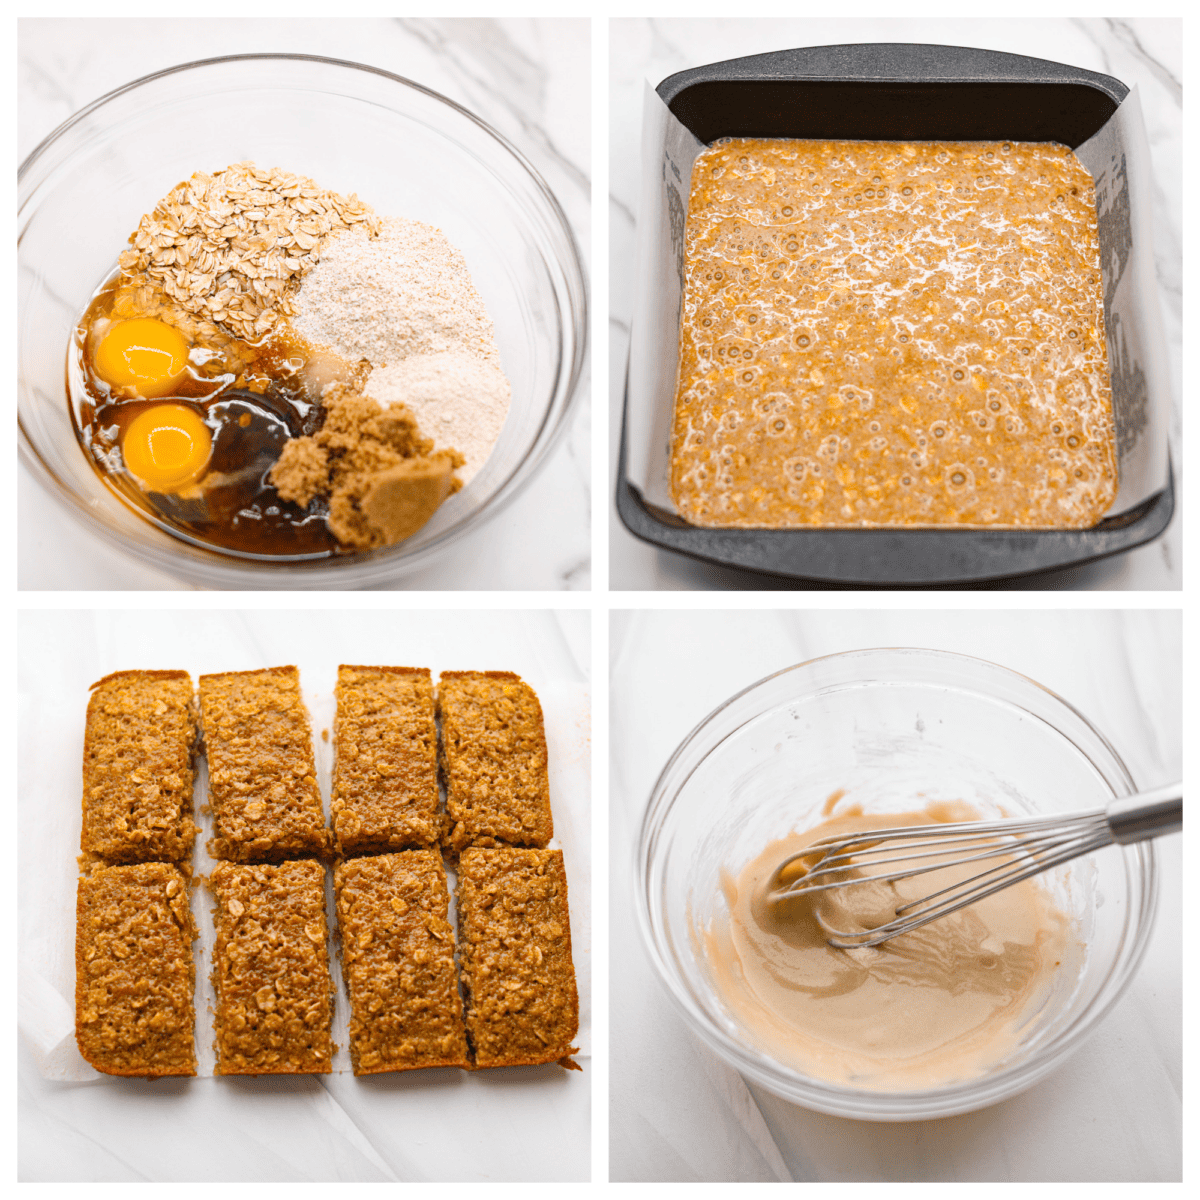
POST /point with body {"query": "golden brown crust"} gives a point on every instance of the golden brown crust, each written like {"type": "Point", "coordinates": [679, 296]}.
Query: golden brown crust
{"type": "Point", "coordinates": [493, 760]}
{"type": "Point", "coordinates": [398, 960]}
{"type": "Point", "coordinates": [270, 969]}
{"type": "Point", "coordinates": [385, 793]}
{"type": "Point", "coordinates": [514, 944]}
{"type": "Point", "coordinates": [137, 768]}
{"type": "Point", "coordinates": [134, 974]}
{"type": "Point", "coordinates": [262, 779]}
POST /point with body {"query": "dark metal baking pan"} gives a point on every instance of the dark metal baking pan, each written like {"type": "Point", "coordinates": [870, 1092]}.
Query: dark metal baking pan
{"type": "Point", "coordinates": [893, 92]}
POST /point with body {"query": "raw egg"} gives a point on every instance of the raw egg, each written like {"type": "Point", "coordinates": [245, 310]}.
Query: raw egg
{"type": "Point", "coordinates": [144, 354]}
{"type": "Point", "coordinates": [167, 446]}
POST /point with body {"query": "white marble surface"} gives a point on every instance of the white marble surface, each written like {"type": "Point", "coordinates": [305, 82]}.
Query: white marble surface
{"type": "Point", "coordinates": [75, 1125]}
{"type": "Point", "coordinates": [529, 78]}
{"type": "Point", "coordinates": [1110, 1113]}
{"type": "Point", "coordinates": [1145, 51]}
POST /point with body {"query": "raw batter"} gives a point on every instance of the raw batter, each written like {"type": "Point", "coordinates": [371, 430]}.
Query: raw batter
{"type": "Point", "coordinates": [945, 1002]}
{"type": "Point", "coordinates": [892, 333]}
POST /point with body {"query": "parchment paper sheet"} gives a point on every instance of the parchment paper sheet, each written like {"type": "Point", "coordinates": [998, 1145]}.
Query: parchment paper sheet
{"type": "Point", "coordinates": [519, 1123]}
{"type": "Point", "coordinates": [1118, 158]}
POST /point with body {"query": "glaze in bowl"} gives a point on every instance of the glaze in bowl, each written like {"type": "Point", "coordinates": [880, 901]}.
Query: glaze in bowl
{"type": "Point", "coordinates": [886, 725]}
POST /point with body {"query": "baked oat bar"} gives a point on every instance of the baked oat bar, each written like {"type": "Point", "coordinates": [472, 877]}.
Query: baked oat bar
{"type": "Point", "coordinates": [493, 758]}
{"type": "Point", "coordinates": [137, 768]}
{"type": "Point", "coordinates": [262, 779]}
{"type": "Point", "coordinates": [134, 975]}
{"type": "Point", "coordinates": [385, 791]}
{"type": "Point", "coordinates": [398, 960]}
{"type": "Point", "coordinates": [270, 970]}
{"type": "Point", "coordinates": [514, 945]}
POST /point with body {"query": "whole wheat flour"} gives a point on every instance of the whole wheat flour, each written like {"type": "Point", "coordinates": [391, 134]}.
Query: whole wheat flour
{"type": "Point", "coordinates": [406, 291]}
{"type": "Point", "coordinates": [458, 400]}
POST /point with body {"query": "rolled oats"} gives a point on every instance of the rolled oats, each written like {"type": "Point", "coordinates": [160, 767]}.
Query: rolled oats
{"type": "Point", "coordinates": [232, 247]}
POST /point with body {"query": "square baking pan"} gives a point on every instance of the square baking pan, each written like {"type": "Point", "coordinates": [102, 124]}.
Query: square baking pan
{"type": "Point", "coordinates": [892, 92]}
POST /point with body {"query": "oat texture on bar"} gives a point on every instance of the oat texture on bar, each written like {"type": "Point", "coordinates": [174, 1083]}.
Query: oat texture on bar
{"type": "Point", "coordinates": [493, 756]}
{"type": "Point", "coordinates": [385, 790]}
{"type": "Point", "coordinates": [270, 969]}
{"type": "Point", "coordinates": [134, 974]}
{"type": "Point", "coordinates": [261, 775]}
{"type": "Point", "coordinates": [514, 943]}
{"type": "Point", "coordinates": [137, 768]}
{"type": "Point", "coordinates": [398, 959]}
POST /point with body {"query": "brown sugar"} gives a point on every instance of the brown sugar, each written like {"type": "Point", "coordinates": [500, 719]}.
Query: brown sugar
{"type": "Point", "coordinates": [385, 791]}
{"type": "Point", "coordinates": [383, 478]}
{"type": "Point", "coordinates": [494, 763]}
{"type": "Point", "coordinates": [270, 970]}
{"type": "Point", "coordinates": [514, 943]}
{"type": "Point", "coordinates": [134, 974]}
{"type": "Point", "coordinates": [137, 767]}
{"type": "Point", "coordinates": [892, 333]}
{"type": "Point", "coordinates": [261, 775]}
{"type": "Point", "coordinates": [398, 959]}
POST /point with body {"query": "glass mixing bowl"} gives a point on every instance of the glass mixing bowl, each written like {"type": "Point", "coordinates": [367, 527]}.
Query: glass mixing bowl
{"type": "Point", "coordinates": [886, 725]}
{"type": "Point", "coordinates": [405, 150]}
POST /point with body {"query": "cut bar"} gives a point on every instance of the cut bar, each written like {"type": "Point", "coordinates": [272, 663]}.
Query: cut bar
{"type": "Point", "coordinates": [398, 959]}
{"type": "Point", "coordinates": [385, 792]}
{"type": "Point", "coordinates": [270, 970]}
{"type": "Point", "coordinates": [134, 975]}
{"type": "Point", "coordinates": [493, 760]}
{"type": "Point", "coordinates": [514, 944]}
{"type": "Point", "coordinates": [261, 776]}
{"type": "Point", "coordinates": [137, 768]}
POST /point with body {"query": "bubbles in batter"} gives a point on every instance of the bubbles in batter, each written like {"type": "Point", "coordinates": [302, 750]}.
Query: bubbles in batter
{"type": "Point", "coordinates": [931, 277]}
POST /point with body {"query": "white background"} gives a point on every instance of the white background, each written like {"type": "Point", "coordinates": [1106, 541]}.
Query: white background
{"type": "Point", "coordinates": [1111, 1112]}
{"type": "Point", "coordinates": [509, 1123]}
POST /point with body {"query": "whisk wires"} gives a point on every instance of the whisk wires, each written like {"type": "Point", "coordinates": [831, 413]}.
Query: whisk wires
{"type": "Point", "coordinates": [1024, 847]}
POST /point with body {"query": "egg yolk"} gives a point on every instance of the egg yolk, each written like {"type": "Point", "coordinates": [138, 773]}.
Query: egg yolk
{"type": "Point", "coordinates": [144, 354]}
{"type": "Point", "coordinates": [167, 447]}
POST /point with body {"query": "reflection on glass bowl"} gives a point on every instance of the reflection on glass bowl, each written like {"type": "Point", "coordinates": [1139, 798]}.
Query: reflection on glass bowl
{"type": "Point", "coordinates": [885, 725]}
{"type": "Point", "coordinates": [403, 148]}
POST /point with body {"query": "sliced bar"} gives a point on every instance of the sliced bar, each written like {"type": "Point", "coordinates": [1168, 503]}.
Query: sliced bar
{"type": "Point", "coordinates": [385, 791]}
{"type": "Point", "coordinates": [398, 959]}
{"type": "Point", "coordinates": [514, 945]}
{"type": "Point", "coordinates": [134, 975]}
{"type": "Point", "coordinates": [270, 970]}
{"type": "Point", "coordinates": [262, 779]}
{"type": "Point", "coordinates": [493, 760]}
{"type": "Point", "coordinates": [137, 768]}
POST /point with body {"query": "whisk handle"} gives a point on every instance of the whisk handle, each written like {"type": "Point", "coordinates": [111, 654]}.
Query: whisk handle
{"type": "Point", "coordinates": [1146, 815]}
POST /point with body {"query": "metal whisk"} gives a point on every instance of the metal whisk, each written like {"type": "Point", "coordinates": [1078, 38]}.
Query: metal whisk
{"type": "Point", "coordinates": [1026, 846]}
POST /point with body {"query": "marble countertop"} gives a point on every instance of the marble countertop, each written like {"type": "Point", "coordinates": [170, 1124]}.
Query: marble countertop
{"type": "Point", "coordinates": [529, 78]}
{"type": "Point", "coordinates": [75, 1125]}
{"type": "Point", "coordinates": [1112, 1112]}
{"type": "Point", "coordinates": [1145, 52]}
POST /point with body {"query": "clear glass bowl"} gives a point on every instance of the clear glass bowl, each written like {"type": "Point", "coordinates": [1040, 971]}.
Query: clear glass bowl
{"type": "Point", "coordinates": [886, 724]}
{"type": "Point", "coordinates": [405, 150]}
